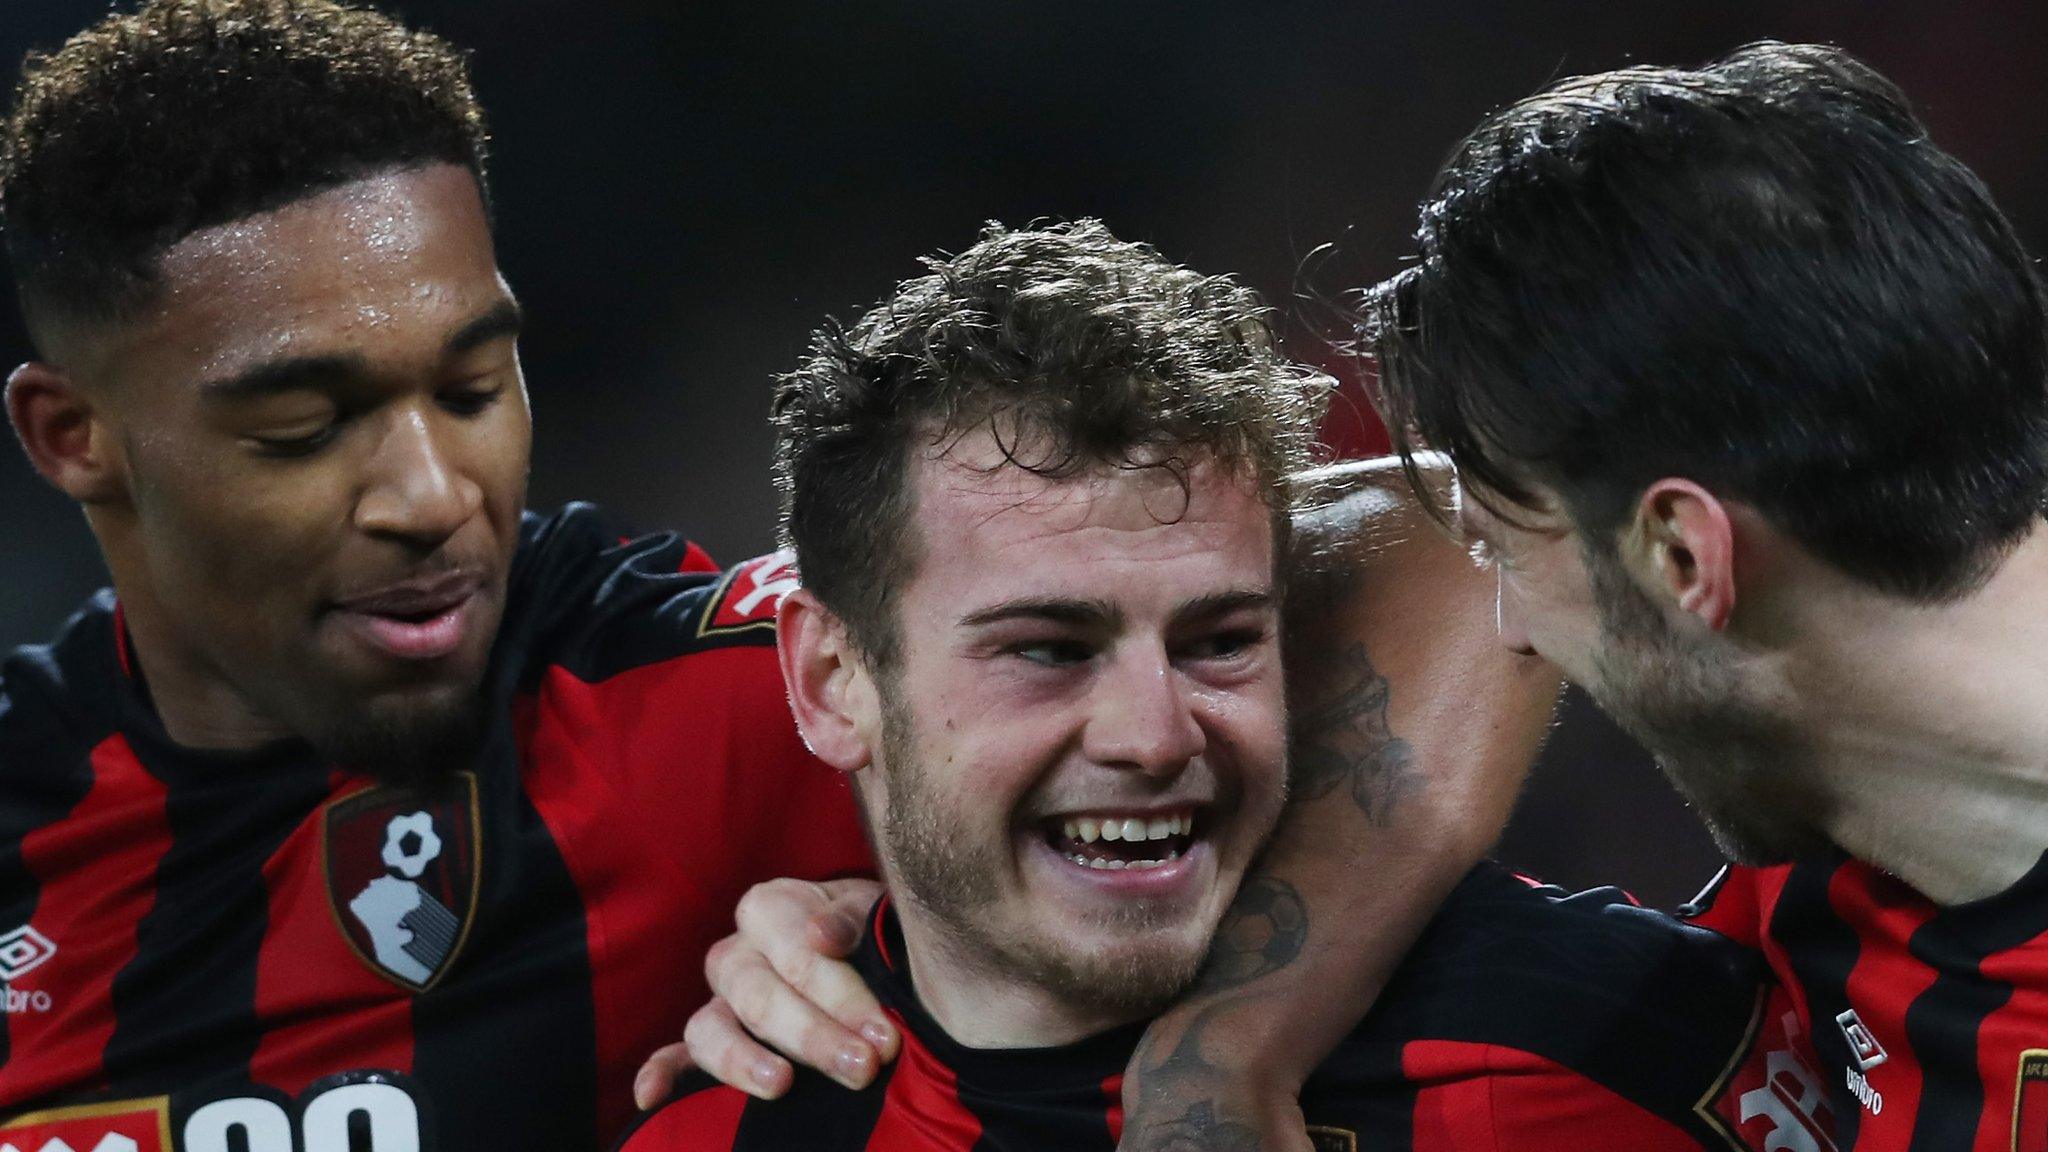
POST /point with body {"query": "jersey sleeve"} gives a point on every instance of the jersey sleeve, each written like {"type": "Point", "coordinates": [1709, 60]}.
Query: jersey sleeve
{"type": "Point", "coordinates": [1528, 1018]}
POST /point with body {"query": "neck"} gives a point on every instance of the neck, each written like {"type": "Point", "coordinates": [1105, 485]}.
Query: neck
{"type": "Point", "coordinates": [198, 707]}
{"type": "Point", "coordinates": [1929, 734]}
{"type": "Point", "coordinates": [981, 1006]}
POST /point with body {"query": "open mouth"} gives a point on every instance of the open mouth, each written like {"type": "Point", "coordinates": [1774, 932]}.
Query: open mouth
{"type": "Point", "coordinates": [1117, 840]}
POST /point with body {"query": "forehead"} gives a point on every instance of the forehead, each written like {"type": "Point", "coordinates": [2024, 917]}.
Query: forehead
{"type": "Point", "coordinates": [354, 268]}
{"type": "Point", "coordinates": [991, 529]}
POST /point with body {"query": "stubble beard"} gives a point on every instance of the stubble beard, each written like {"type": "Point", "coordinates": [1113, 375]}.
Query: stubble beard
{"type": "Point", "coordinates": [1735, 760]}
{"type": "Point", "coordinates": [408, 743]}
{"type": "Point", "coordinates": [953, 879]}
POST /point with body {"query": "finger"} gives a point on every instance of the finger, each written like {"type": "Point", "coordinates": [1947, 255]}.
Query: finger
{"type": "Point", "coordinates": [657, 1077]}
{"type": "Point", "coordinates": [715, 1041]}
{"type": "Point", "coordinates": [784, 1018]}
{"type": "Point", "coordinates": [830, 985]}
{"type": "Point", "coordinates": [836, 927]}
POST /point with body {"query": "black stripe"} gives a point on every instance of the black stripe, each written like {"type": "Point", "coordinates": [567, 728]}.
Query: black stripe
{"type": "Point", "coordinates": [1823, 951]}
{"type": "Point", "coordinates": [1021, 1120]}
{"type": "Point", "coordinates": [1361, 1087]}
{"type": "Point", "coordinates": [45, 771]}
{"type": "Point", "coordinates": [1943, 1022]}
{"type": "Point", "coordinates": [816, 1116]}
{"type": "Point", "coordinates": [48, 732]}
{"type": "Point", "coordinates": [507, 1042]}
{"type": "Point", "coordinates": [185, 1007]}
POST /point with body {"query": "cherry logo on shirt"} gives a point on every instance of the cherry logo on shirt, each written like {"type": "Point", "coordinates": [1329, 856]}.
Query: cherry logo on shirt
{"type": "Point", "coordinates": [402, 872]}
{"type": "Point", "coordinates": [2030, 1103]}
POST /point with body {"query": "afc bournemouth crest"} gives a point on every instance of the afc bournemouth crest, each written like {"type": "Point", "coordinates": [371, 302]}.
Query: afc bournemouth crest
{"type": "Point", "coordinates": [402, 872]}
{"type": "Point", "coordinates": [2030, 1103]}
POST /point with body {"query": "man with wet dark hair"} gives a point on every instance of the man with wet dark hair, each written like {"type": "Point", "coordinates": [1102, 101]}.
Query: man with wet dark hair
{"type": "Point", "coordinates": [1747, 384]}
{"type": "Point", "coordinates": [363, 803]}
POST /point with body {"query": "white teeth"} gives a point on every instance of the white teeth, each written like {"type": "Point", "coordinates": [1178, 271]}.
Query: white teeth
{"type": "Point", "coordinates": [1112, 829]}
{"type": "Point", "coordinates": [1088, 831]}
{"type": "Point", "coordinates": [1072, 832]}
{"type": "Point", "coordinates": [1134, 829]}
{"type": "Point", "coordinates": [1158, 830]}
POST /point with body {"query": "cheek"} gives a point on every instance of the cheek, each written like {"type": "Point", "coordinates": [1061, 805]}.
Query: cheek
{"type": "Point", "coordinates": [224, 529]}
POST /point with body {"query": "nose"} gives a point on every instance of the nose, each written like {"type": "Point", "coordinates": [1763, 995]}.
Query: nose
{"type": "Point", "coordinates": [1507, 617]}
{"type": "Point", "coordinates": [1142, 717]}
{"type": "Point", "coordinates": [415, 490]}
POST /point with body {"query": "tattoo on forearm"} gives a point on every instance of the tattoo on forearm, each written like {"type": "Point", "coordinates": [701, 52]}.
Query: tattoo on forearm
{"type": "Point", "coordinates": [1262, 932]}
{"type": "Point", "coordinates": [1344, 741]}
{"type": "Point", "coordinates": [1199, 1129]}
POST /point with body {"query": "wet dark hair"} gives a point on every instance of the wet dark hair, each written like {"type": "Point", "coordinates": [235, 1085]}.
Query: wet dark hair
{"type": "Point", "coordinates": [1760, 275]}
{"type": "Point", "coordinates": [1077, 349]}
{"type": "Point", "coordinates": [186, 114]}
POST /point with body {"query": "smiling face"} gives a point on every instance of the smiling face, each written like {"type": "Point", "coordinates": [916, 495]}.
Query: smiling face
{"type": "Point", "coordinates": [323, 439]}
{"type": "Point", "coordinates": [1082, 737]}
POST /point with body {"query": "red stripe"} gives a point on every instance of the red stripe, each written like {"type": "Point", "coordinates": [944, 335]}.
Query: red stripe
{"type": "Point", "coordinates": [670, 789]}
{"type": "Point", "coordinates": [97, 870]}
{"type": "Point", "coordinates": [1887, 978]}
{"type": "Point", "coordinates": [2021, 1024]}
{"type": "Point", "coordinates": [1113, 1102]}
{"type": "Point", "coordinates": [320, 1005]}
{"type": "Point", "coordinates": [706, 1121]}
{"type": "Point", "coordinates": [1479, 1096]}
{"type": "Point", "coordinates": [696, 559]}
{"type": "Point", "coordinates": [922, 1111]}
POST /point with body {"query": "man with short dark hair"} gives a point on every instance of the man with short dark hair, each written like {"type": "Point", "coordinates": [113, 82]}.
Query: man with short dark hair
{"type": "Point", "coordinates": [364, 804]}
{"type": "Point", "coordinates": [1040, 496]}
{"type": "Point", "coordinates": [1747, 384]}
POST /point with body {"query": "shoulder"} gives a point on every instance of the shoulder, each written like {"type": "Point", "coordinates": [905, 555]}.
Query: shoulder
{"type": "Point", "coordinates": [62, 695]}
{"type": "Point", "coordinates": [1561, 1009]}
{"type": "Point", "coordinates": [598, 603]}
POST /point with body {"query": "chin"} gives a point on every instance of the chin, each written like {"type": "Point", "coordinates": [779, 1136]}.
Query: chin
{"type": "Point", "coordinates": [408, 738]}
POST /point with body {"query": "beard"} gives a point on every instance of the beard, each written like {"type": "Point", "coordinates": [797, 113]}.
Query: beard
{"type": "Point", "coordinates": [417, 742]}
{"type": "Point", "coordinates": [955, 881]}
{"type": "Point", "coordinates": [1733, 757]}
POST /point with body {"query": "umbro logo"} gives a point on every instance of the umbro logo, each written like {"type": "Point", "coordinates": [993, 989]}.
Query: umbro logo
{"type": "Point", "coordinates": [22, 951]}
{"type": "Point", "coordinates": [1863, 1043]}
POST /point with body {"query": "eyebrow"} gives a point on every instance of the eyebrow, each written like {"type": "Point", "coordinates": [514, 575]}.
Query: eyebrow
{"type": "Point", "coordinates": [294, 373]}
{"type": "Point", "coordinates": [506, 319]}
{"type": "Point", "coordinates": [1101, 613]}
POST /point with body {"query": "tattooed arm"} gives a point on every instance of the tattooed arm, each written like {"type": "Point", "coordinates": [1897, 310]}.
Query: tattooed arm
{"type": "Point", "coordinates": [1412, 732]}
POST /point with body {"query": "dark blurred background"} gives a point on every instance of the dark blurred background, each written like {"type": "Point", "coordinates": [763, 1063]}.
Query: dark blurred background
{"type": "Point", "coordinates": [685, 190]}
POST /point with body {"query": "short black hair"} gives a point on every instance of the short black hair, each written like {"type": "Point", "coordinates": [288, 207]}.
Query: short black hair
{"type": "Point", "coordinates": [1078, 349]}
{"type": "Point", "coordinates": [1760, 275]}
{"type": "Point", "coordinates": [186, 114]}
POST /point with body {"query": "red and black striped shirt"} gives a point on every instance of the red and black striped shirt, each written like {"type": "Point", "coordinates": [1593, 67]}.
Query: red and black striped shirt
{"type": "Point", "coordinates": [1912, 1027]}
{"type": "Point", "coordinates": [1523, 1019]}
{"type": "Point", "coordinates": [261, 951]}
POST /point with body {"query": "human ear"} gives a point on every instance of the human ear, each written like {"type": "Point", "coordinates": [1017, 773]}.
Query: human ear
{"type": "Point", "coordinates": [1682, 544]}
{"type": "Point", "coordinates": [63, 434]}
{"type": "Point", "coordinates": [830, 689]}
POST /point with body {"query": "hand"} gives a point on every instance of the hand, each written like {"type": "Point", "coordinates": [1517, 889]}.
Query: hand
{"type": "Point", "coordinates": [781, 977]}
